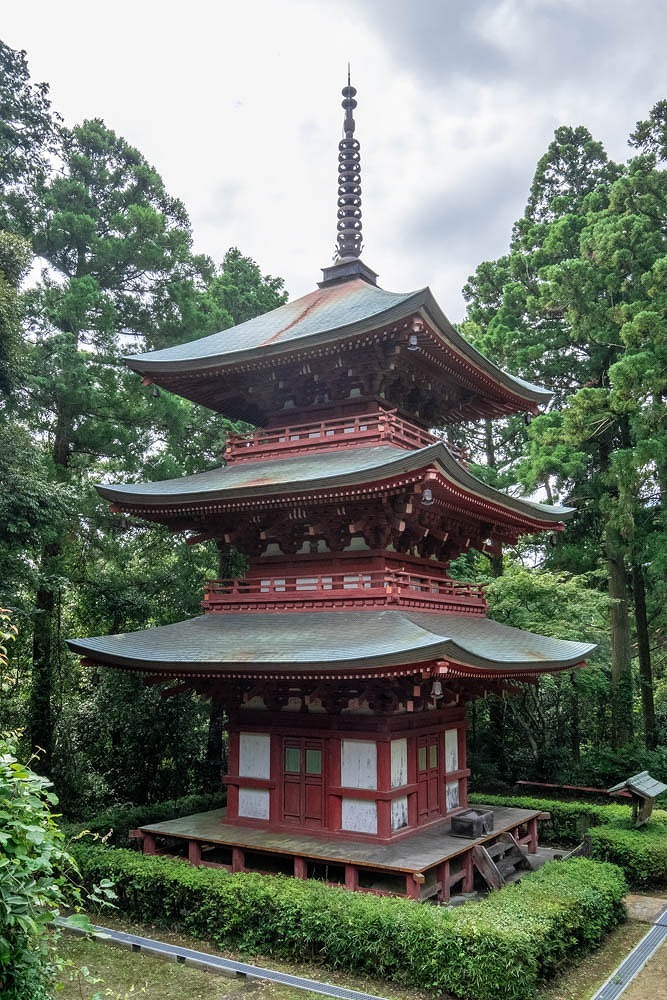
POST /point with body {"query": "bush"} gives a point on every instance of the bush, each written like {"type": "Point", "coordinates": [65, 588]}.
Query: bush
{"type": "Point", "coordinates": [570, 821]}
{"type": "Point", "coordinates": [119, 820]}
{"type": "Point", "coordinates": [641, 853]}
{"type": "Point", "coordinates": [495, 950]}
{"type": "Point", "coordinates": [34, 879]}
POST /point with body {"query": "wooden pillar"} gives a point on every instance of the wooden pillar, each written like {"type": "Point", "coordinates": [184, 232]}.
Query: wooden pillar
{"type": "Point", "coordinates": [332, 778]}
{"type": "Point", "coordinates": [276, 773]}
{"type": "Point", "coordinates": [469, 877]}
{"type": "Point", "coordinates": [532, 836]}
{"type": "Point", "coordinates": [383, 806]}
{"type": "Point", "coordinates": [233, 772]}
{"type": "Point", "coordinates": [194, 852]}
{"type": "Point", "coordinates": [238, 859]}
{"type": "Point", "coordinates": [149, 844]}
{"type": "Point", "coordinates": [300, 868]}
{"type": "Point", "coordinates": [442, 876]}
{"type": "Point", "coordinates": [413, 885]}
{"type": "Point", "coordinates": [351, 877]}
{"type": "Point", "coordinates": [384, 818]}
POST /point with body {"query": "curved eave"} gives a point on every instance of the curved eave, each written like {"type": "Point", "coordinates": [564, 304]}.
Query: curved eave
{"type": "Point", "coordinates": [524, 390]}
{"type": "Point", "coordinates": [328, 643]}
{"type": "Point", "coordinates": [173, 362]}
{"type": "Point", "coordinates": [313, 475]}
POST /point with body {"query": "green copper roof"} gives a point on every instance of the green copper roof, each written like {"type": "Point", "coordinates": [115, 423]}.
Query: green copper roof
{"type": "Point", "coordinates": [330, 641]}
{"type": "Point", "coordinates": [323, 316]}
{"type": "Point", "coordinates": [319, 312]}
{"type": "Point", "coordinates": [323, 470]}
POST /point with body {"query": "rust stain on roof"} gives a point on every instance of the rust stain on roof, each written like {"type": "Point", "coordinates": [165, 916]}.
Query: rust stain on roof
{"type": "Point", "coordinates": [310, 302]}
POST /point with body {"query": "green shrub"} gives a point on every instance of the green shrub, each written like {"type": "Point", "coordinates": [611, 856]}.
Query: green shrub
{"type": "Point", "coordinates": [570, 821]}
{"type": "Point", "coordinates": [495, 950]}
{"type": "Point", "coordinates": [114, 824]}
{"type": "Point", "coordinates": [34, 878]}
{"type": "Point", "coordinates": [641, 853]}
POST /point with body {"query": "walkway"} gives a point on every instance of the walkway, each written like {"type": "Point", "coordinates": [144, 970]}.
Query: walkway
{"type": "Point", "coordinates": [643, 973]}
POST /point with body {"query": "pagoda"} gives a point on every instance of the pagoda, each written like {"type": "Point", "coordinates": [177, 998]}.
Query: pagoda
{"type": "Point", "coordinates": [346, 655]}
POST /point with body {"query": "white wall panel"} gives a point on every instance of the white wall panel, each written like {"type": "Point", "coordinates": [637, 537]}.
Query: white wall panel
{"type": "Point", "coordinates": [452, 750]}
{"type": "Point", "coordinates": [452, 794]}
{"type": "Point", "coordinates": [399, 813]}
{"type": "Point", "coordinates": [359, 816]}
{"type": "Point", "coordinates": [358, 764]}
{"type": "Point", "coordinates": [255, 755]}
{"type": "Point", "coordinates": [399, 763]}
{"type": "Point", "coordinates": [253, 803]}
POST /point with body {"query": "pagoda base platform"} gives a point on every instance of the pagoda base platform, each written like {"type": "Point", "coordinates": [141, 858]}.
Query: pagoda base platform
{"type": "Point", "coordinates": [427, 864]}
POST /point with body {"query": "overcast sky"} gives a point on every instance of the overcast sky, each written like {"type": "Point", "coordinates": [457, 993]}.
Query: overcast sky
{"type": "Point", "coordinates": [237, 104]}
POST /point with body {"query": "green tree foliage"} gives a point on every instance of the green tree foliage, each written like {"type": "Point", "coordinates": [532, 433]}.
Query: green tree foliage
{"type": "Point", "coordinates": [117, 275]}
{"type": "Point", "coordinates": [15, 256]}
{"type": "Point", "coordinates": [544, 726]}
{"type": "Point", "coordinates": [112, 237]}
{"type": "Point", "coordinates": [579, 305]}
{"type": "Point", "coordinates": [28, 137]}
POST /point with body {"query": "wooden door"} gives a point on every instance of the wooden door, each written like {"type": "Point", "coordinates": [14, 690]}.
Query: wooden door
{"type": "Point", "coordinates": [303, 782]}
{"type": "Point", "coordinates": [428, 778]}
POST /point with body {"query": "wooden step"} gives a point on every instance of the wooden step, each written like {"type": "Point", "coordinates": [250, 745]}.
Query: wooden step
{"type": "Point", "coordinates": [487, 867]}
{"type": "Point", "coordinates": [500, 861]}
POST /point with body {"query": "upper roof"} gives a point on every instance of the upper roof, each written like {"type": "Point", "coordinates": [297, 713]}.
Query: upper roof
{"type": "Point", "coordinates": [335, 313]}
{"type": "Point", "coordinates": [326, 642]}
{"type": "Point", "coordinates": [306, 474]}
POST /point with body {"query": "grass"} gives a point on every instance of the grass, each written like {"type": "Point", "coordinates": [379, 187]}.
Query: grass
{"type": "Point", "coordinates": [113, 973]}
{"type": "Point", "coordinates": [580, 982]}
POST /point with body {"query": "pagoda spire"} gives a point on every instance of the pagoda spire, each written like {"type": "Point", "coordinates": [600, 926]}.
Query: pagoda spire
{"type": "Point", "coordinates": [349, 239]}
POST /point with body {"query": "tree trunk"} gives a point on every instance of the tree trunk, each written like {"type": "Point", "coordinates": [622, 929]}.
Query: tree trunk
{"type": "Point", "coordinates": [644, 656]}
{"type": "Point", "coordinates": [621, 659]}
{"type": "Point", "coordinates": [215, 750]}
{"type": "Point", "coordinates": [575, 734]}
{"type": "Point", "coordinates": [40, 718]}
{"type": "Point", "coordinates": [40, 714]}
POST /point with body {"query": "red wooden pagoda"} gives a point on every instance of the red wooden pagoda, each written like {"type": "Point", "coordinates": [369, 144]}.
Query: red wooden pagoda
{"type": "Point", "coordinates": [346, 655]}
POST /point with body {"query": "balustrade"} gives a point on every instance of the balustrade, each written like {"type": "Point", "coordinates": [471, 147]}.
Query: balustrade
{"type": "Point", "coordinates": [373, 587]}
{"type": "Point", "coordinates": [370, 428]}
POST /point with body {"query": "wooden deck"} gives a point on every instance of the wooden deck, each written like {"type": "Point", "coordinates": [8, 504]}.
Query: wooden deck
{"type": "Point", "coordinates": [426, 863]}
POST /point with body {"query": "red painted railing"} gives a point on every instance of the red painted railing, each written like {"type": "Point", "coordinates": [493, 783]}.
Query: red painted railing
{"type": "Point", "coordinates": [369, 428]}
{"type": "Point", "coordinates": [353, 588]}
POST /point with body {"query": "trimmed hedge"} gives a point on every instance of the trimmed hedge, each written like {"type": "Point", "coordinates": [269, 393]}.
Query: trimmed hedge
{"type": "Point", "coordinates": [641, 853]}
{"type": "Point", "coordinates": [114, 824]}
{"type": "Point", "coordinates": [494, 950]}
{"type": "Point", "coordinates": [570, 821]}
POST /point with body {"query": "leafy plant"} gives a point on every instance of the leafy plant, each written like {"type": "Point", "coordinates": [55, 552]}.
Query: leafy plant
{"type": "Point", "coordinates": [36, 875]}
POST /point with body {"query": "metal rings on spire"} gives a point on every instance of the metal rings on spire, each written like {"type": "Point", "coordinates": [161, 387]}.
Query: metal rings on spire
{"type": "Point", "coordinates": [349, 238]}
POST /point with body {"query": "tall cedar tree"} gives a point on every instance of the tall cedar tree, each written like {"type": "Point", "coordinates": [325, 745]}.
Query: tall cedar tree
{"type": "Point", "coordinates": [577, 306]}
{"type": "Point", "coordinates": [112, 239]}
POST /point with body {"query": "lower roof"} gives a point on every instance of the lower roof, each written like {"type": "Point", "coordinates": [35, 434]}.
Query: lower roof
{"type": "Point", "coordinates": [328, 642]}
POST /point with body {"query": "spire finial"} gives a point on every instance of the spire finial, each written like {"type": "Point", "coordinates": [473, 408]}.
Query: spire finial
{"type": "Point", "coordinates": [349, 237]}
